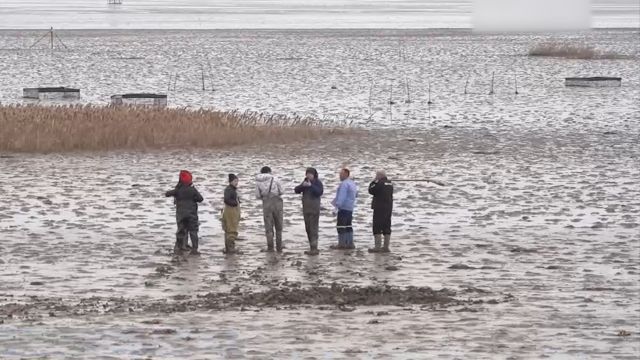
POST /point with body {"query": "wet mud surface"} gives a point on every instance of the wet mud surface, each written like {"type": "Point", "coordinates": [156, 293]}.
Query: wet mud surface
{"type": "Point", "coordinates": [530, 250]}
{"type": "Point", "coordinates": [525, 252]}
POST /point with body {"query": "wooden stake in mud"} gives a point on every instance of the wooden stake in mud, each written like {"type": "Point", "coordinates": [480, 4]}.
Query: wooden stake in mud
{"type": "Point", "coordinates": [406, 82]}
{"type": "Point", "coordinates": [390, 102]}
{"type": "Point", "coordinates": [492, 78]}
{"type": "Point", "coordinates": [466, 83]}
{"type": "Point", "coordinates": [515, 80]}
{"type": "Point", "coordinates": [429, 102]}
{"type": "Point", "coordinates": [202, 69]}
{"type": "Point", "coordinates": [211, 75]}
{"type": "Point", "coordinates": [51, 36]}
{"type": "Point", "coordinates": [370, 96]}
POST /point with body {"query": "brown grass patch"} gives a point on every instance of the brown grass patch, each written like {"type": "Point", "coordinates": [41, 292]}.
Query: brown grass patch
{"type": "Point", "coordinates": [91, 128]}
{"type": "Point", "coordinates": [569, 51]}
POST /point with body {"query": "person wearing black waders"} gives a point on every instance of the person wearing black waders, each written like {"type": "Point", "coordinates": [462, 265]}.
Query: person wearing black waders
{"type": "Point", "coordinates": [186, 198]}
{"type": "Point", "coordinates": [269, 190]}
{"type": "Point", "coordinates": [311, 189]}
{"type": "Point", "coordinates": [344, 203]}
{"type": "Point", "coordinates": [382, 204]}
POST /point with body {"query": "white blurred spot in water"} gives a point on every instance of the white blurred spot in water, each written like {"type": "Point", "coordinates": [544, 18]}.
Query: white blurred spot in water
{"type": "Point", "coordinates": [531, 15]}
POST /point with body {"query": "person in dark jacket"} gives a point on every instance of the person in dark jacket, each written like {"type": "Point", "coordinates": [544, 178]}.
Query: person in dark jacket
{"type": "Point", "coordinates": [311, 189]}
{"type": "Point", "coordinates": [186, 198]}
{"type": "Point", "coordinates": [231, 215]}
{"type": "Point", "coordinates": [382, 204]}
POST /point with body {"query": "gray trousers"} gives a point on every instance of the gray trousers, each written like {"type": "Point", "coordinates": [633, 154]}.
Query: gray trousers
{"type": "Point", "coordinates": [312, 224]}
{"type": "Point", "coordinates": [272, 211]}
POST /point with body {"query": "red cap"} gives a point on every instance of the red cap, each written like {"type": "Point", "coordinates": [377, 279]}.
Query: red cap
{"type": "Point", "coordinates": [186, 177]}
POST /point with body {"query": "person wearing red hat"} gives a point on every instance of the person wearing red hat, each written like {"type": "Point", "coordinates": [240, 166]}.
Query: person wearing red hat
{"type": "Point", "coordinates": [186, 198]}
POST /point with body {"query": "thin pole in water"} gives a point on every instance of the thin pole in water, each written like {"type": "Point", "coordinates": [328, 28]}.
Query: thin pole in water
{"type": "Point", "coordinates": [390, 102]}
{"type": "Point", "coordinates": [202, 69]}
{"type": "Point", "coordinates": [492, 78]}
{"type": "Point", "coordinates": [466, 83]}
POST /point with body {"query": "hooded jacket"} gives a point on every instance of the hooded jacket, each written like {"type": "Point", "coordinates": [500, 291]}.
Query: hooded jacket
{"type": "Point", "coordinates": [186, 198]}
{"type": "Point", "coordinates": [311, 194]}
{"type": "Point", "coordinates": [267, 186]}
{"type": "Point", "coordinates": [382, 191]}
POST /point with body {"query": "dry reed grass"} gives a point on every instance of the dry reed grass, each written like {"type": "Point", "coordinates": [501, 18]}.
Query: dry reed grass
{"type": "Point", "coordinates": [91, 128]}
{"type": "Point", "coordinates": [569, 51]}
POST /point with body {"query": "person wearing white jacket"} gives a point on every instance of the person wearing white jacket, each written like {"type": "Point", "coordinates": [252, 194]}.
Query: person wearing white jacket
{"type": "Point", "coordinates": [269, 190]}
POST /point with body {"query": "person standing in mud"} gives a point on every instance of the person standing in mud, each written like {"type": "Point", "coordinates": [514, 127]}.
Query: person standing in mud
{"type": "Point", "coordinates": [231, 215]}
{"type": "Point", "coordinates": [311, 189]}
{"type": "Point", "coordinates": [186, 198]}
{"type": "Point", "coordinates": [269, 190]}
{"type": "Point", "coordinates": [382, 204]}
{"type": "Point", "coordinates": [345, 202]}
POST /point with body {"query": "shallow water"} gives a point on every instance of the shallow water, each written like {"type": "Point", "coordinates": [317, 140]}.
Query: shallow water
{"type": "Point", "coordinates": [340, 75]}
{"type": "Point", "coordinates": [541, 206]}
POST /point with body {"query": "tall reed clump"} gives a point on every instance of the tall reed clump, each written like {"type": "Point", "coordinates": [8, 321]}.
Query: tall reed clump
{"type": "Point", "coordinates": [92, 128]}
{"type": "Point", "coordinates": [570, 51]}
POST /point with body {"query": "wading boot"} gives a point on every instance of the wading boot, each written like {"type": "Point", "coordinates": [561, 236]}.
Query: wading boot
{"type": "Point", "coordinates": [348, 241]}
{"type": "Point", "coordinates": [385, 247]}
{"type": "Point", "coordinates": [341, 243]}
{"type": "Point", "coordinates": [313, 251]}
{"type": "Point", "coordinates": [377, 241]}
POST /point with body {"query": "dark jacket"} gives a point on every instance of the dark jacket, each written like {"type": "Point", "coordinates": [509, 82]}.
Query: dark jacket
{"type": "Point", "coordinates": [231, 196]}
{"type": "Point", "coordinates": [382, 191]}
{"type": "Point", "coordinates": [311, 194]}
{"type": "Point", "coordinates": [186, 198]}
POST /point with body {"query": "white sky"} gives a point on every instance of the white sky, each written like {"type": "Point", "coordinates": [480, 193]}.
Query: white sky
{"type": "Point", "coordinates": [24, 14]}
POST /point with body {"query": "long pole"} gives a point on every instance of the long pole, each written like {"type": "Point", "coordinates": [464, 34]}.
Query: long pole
{"type": "Point", "coordinates": [202, 68]}
{"type": "Point", "coordinates": [466, 83]}
{"type": "Point", "coordinates": [51, 33]}
{"type": "Point", "coordinates": [437, 182]}
{"type": "Point", "coordinates": [390, 102]}
{"type": "Point", "coordinates": [493, 74]}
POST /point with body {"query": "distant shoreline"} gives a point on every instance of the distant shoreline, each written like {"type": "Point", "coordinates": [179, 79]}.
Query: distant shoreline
{"type": "Point", "coordinates": [460, 29]}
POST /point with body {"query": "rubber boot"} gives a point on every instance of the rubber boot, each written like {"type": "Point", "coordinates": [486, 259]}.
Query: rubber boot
{"type": "Point", "coordinates": [229, 244]}
{"type": "Point", "coordinates": [269, 244]}
{"type": "Point", "coordinates": [177, 248]}
{"type": "Point", "coordinates": [377, 240]}
{"type": "Point", "coordinates": [279, 246]}
{"type": "Point", "coordinates": [341, 242]}
{"type": "Point", "coordinates": [194, 242]}
{"type": "Point", "coordinates": [387, 239]}
{"type": "Point", "coordinates": [313, 251]}
{"type": "Point", "coordinates": [349, 245]}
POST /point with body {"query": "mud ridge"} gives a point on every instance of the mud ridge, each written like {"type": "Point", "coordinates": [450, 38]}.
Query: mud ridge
{"type": "Point", "coordinates": [335, 295]}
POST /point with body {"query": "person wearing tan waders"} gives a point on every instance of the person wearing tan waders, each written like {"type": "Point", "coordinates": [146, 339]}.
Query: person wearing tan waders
{"type": "Point", "coordinates": [382, 204]}
{"type": "Point", "coordinates": [269, 190]}
{"type": "Point", "coordinates": [311, 189]}
{"type": "Point", "coordinates": [231, 215]}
